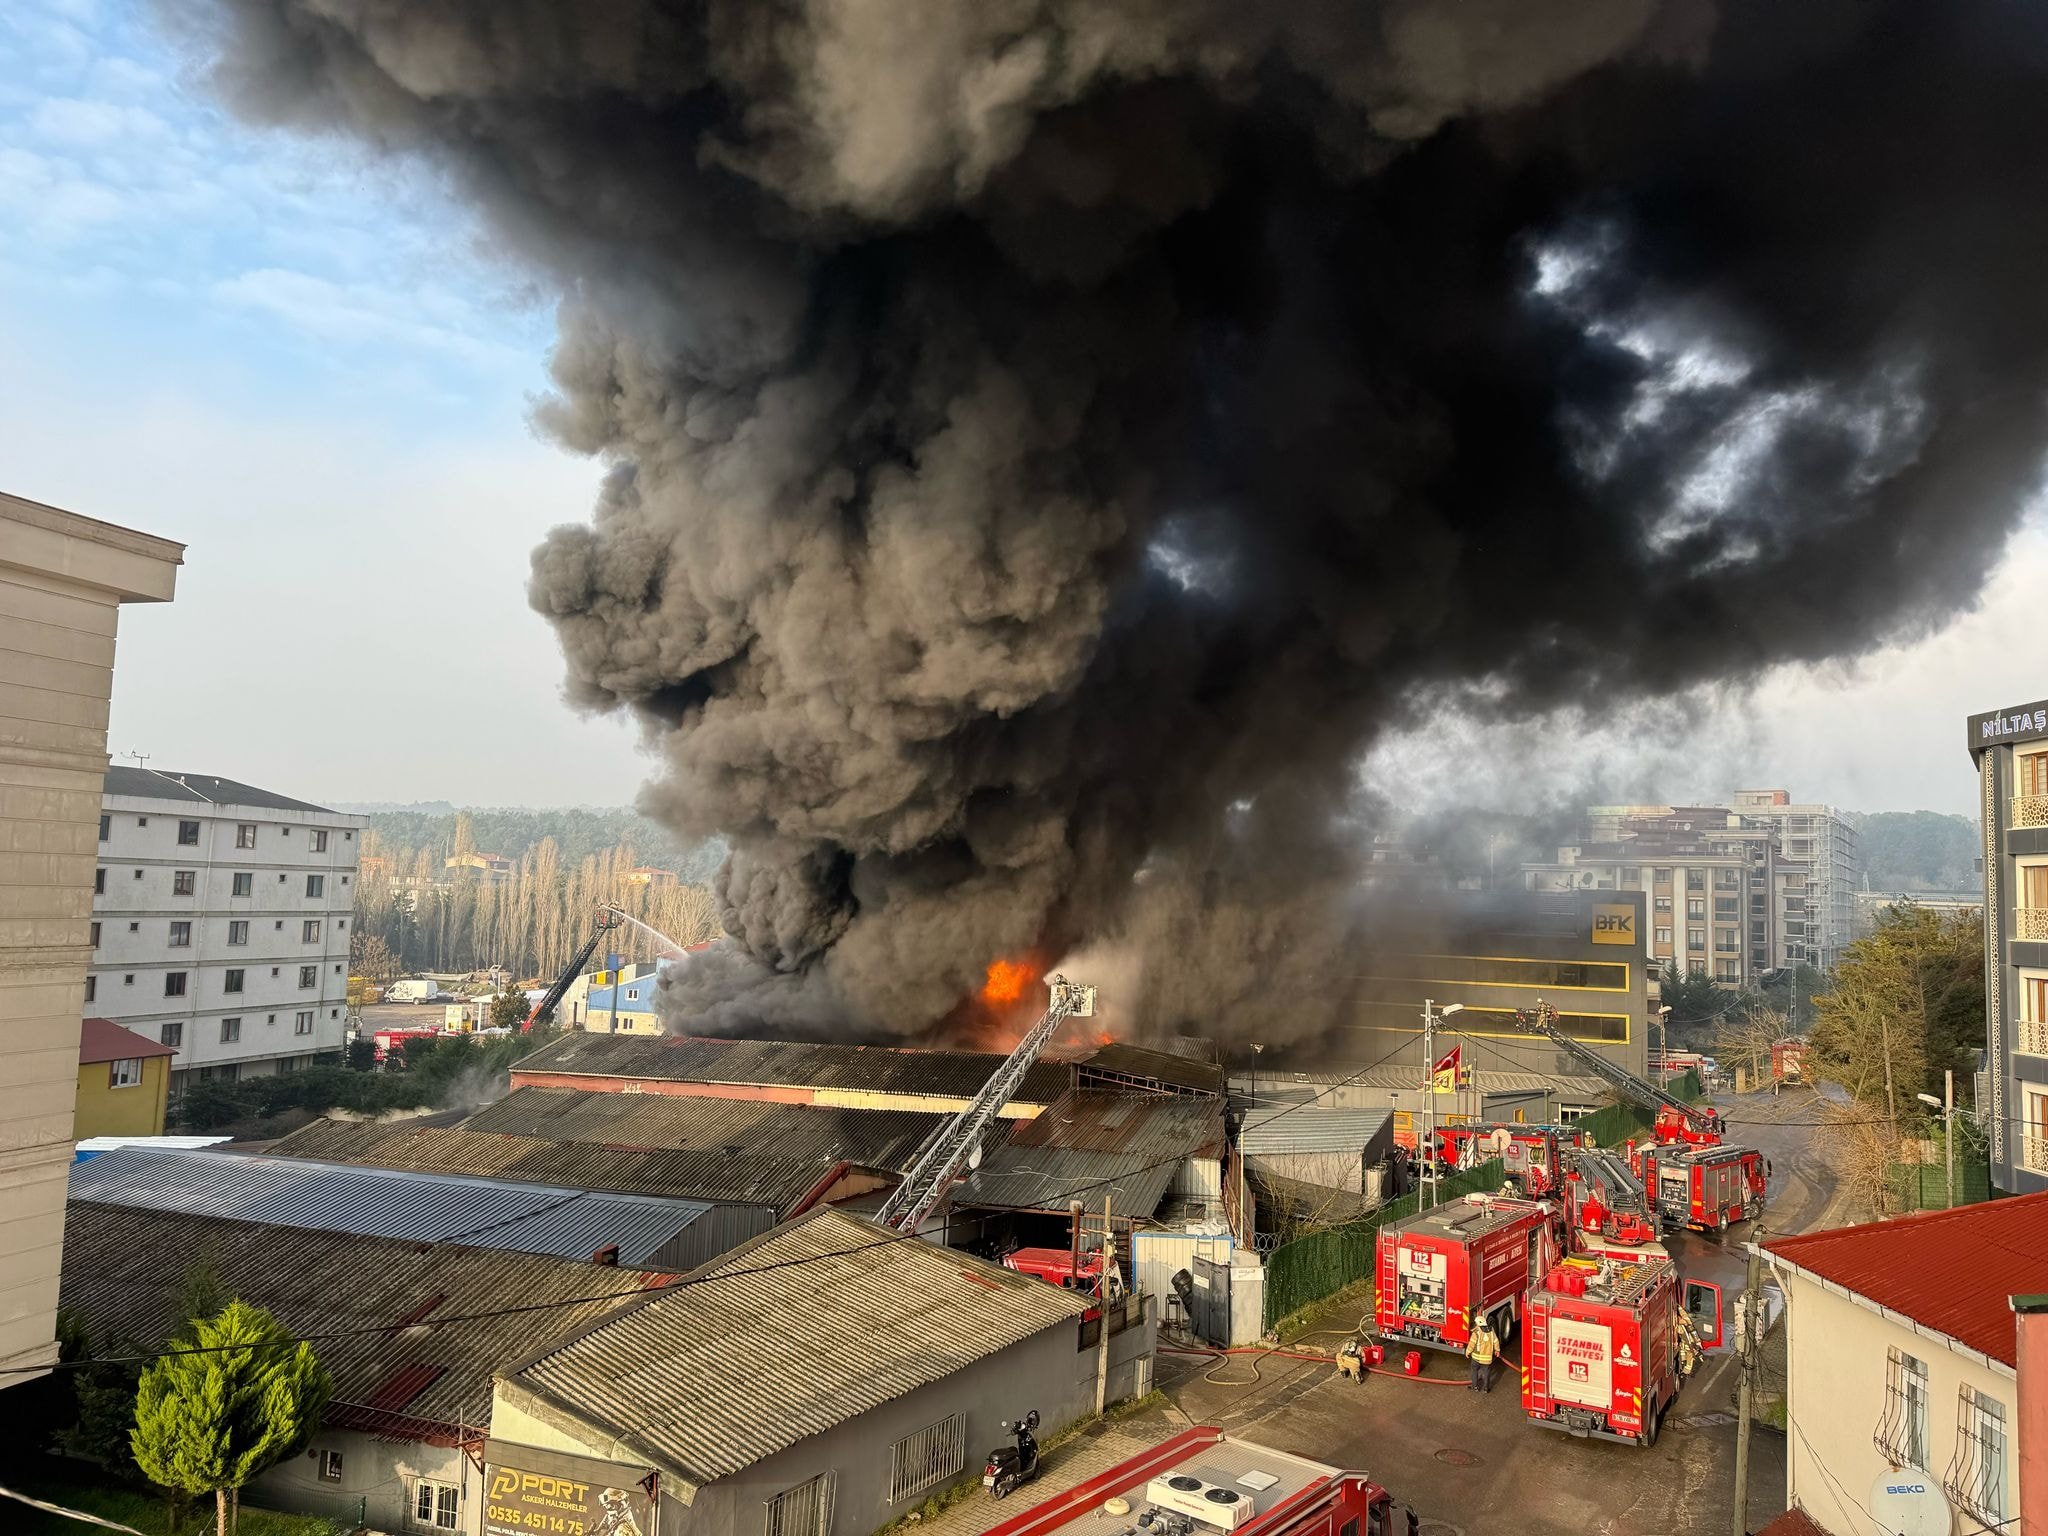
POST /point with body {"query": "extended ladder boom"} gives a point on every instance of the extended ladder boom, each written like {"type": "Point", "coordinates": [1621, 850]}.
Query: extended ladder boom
{"type": "Point", "coordinates": [947, 1150]}
{"type": "Point", "coordinates": [607, 920]}
{"type": "Point", "coordinates": [1541, 1021]}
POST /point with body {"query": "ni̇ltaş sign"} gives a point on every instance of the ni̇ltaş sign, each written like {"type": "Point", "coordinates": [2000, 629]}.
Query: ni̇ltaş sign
{"type": "Point", "coordinates": [2029, 722]}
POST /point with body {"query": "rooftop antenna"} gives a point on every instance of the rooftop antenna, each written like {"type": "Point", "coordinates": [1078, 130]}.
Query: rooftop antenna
{"type": "Point", "coordinates": [140, 757]}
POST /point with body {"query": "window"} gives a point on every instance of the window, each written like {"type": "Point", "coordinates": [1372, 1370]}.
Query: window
{"type": "Point", "coordinates": [238, 931]}
{"type": "Point", "coordinates": [2033, 1012]}
{"type": "Point", "coordinates": [172, 1034]}
{"type": "Point", "coordinates": [128, 980]}
{"type": "Point", "coordinates": [230, 1031]}
{"type": "Point", "coordinates": [341, 922]}
{"type": "Point", "coordinates": [1663, 903]}
{"type": "Point", "coordinates": [309, 975]}
{"type": "Point", "coordinates": [231, 981]}
{"type": "Point", "coordinates": [138, 874]}
{"type": "Point", "coordinates": [806, 1510]}
{"type": "Point", "coordinates": [92, 988]}
{"type": "Point", "coordinates": [1902, 1432]}
{"type": "Point", "coordinates": [126, 1073]}
{"type": "Point", "coordinates": [330, 1466]}
{"type": "Point", "coordinates": [188, 834]}
{"type": "Point", "coordinates": [245, 883]}
{"type": "Point", "coordinates": [1695, 879]}
{"type": "Point", "coordinates": [1663, 937]}
{"type": "Point", "coordinates": [106, 826]}
{"type": "Point", "coordinates": [1976, 1474]}
{"type": "Point", "coordinates": [135, 927]}
{"type": "Point", "coordinates": [245, 835]}
{"type": "Point", "coordinates": [95, 935]}
{"type": "Point", "coordinates": [1729, 907]}
{"type": "Point", "coordinates": [436, 1506]}
{"type": "Point", "coordinates": [344, 879]}
{"type": "Point", "coordinates": [174, 983]}
{"type": "Point", "coordinates": [1695, 938]}
{"type": "Point", "coordinates": [2030, 774]}
{"type": "Point", "coordinates": [319, 841]}
{"type": "Point", "coordinates": [1727, 970]}
{"type": "Point", "coordinates": [928, 1458]}
{"type": "Point", "coordinates": [1696, 907]}
{"type": "Point", "coordinates": [181, 935]}
{"type": "Point", "coordinates": [309, 931]}
{"type": "Point", "coordinates": [303, 1025]}
{"type": "Point", "coordinates": [142, 821]}
{"type": "Point", "coordinates": [316, 885]}
{"type": "Point", "coordinates": [1727, 940]}
{"type": "Point", "coordinates": [99, 882]}
{"type": "Point", "coordinates": [184, 881]}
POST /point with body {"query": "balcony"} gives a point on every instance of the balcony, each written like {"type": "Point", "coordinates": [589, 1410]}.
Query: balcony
{"type": "Point", "coordinates": [2034, 1153]}
{"type": "Point", "coordinates": [2030, 810]}
{"type": "Point", "coordinates": [2030, 923]}
{"type": "Point", "coordinates": [2033, 1037]}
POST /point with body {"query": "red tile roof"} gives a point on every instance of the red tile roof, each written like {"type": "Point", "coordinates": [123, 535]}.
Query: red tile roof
{"type": "Point", "coordinates": [1793, 1522]}
{"type": "Point", "coordinates": [1952, 1271]}
{"type": "Point", "coordinates": [104, 1040]}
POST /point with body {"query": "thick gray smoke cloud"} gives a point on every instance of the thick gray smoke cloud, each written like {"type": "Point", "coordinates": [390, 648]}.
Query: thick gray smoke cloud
{"type": "Point", "coordinates": [1051, 439]}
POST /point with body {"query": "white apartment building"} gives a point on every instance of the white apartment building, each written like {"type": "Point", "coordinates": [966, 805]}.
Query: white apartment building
{"type": "Point", "coordinates": [63, 581]}
{"type": "Point", "coordinates": [221, 922]}
{"type": "Point", "coordinates": [1819, 836]}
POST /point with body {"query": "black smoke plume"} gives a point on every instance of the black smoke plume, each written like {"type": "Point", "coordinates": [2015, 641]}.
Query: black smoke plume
{"type": "Point", "coordinates": [1051, 440]}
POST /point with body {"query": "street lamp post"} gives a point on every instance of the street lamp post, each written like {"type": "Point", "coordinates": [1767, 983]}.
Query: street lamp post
{"type": "Point", "coordinates": [1430, 1014]}
{"type": "Point", "coordinates": [1945, 1107]}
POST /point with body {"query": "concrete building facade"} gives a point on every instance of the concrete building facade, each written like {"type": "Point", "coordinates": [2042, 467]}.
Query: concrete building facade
{"type": "Point", "coordinates": [63, 579]}
{"type": "Point", "coordinates": [2010, 748]}
{"type": "Point", "coordinates": [124, 1082]}
{"type": "Point", "coordinates": [221, 922]}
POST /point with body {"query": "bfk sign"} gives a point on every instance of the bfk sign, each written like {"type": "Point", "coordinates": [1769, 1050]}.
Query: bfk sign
{"type": "Point", "coordinates": [2027, 723]}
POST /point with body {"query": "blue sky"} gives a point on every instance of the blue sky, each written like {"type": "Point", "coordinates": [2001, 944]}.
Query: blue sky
{"type": "Point", "coordinates": [308, 365]}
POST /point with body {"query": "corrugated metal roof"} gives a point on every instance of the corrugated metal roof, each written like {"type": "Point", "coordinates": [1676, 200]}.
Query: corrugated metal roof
{"type": "Point", "coordinates": [1283, 1131]}
{"type": "Point", "coordinates": [1953, 1271]}
{"type": "Point", "coordinates": [1396, 1075]}
{"type": "Point", "coordinates": [382, 1202]}
{"type": "Point", "coordinates": [1103, 1120]}
{"type": "Point", "coordinates": [124, 1270]}
{"type": "Point", "coordinates": [871, 1138]}
{"type": "Point", "coordinates": [792, 1064]}
{"type": "Point", "coordinates": [823, 1320]}
{"type": "Point", "coordinates": [771, 1183]}
{"type": "Point", "coordinates": [1014, 1178]}
{"type": "Point", "coordinates": [198, 788]}
{"type": "Point", "coordinates": [1171, 1068]}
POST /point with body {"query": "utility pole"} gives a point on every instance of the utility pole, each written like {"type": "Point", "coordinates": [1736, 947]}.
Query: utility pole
{"type": "Point", "coordinates": [1426, 1195]}
{"type": "Point", "coordinates": [1102, 1308]}
{"type": "Point", "coordinates": [1948, 1130]}
{"type": "Point", "coordinates": [1748, 1308]}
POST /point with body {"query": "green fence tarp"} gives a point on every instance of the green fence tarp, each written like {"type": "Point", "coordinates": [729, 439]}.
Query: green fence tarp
{"type": "Point", "coordinates": [1924, 1186]}
{"type": "Point", "coordinates": [1303, 1272]}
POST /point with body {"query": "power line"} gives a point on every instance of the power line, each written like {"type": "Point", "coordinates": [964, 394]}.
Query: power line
{"type": "Point", "coordinates": [642, 1291]}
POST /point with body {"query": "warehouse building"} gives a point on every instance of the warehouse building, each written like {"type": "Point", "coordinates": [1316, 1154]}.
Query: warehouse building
{"type": "Point", "coordinates": [634, 1230]}
{"type": "Point", "coordinates": [411, 1400]}
{"type": "Point", "coordinates": [1312, 1163]}
{"type": "Point", "coordinates": [816, 1381]}
{"type": "Point", "coordinates": [786, 1072]}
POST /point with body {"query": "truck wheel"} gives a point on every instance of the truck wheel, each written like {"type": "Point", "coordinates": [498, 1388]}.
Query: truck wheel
{"type": "Point", "coordinates": [1650, 1430]}
{"type": "Point", "coordinates": [1504, 1323]}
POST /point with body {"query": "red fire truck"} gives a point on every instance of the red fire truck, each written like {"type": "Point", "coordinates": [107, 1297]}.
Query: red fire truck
{"type": "Point", "coordinates": [1479, 1256]}
{"type": "Point", "coordinates": [1707, 1188]}
{"type": "Point", "coordinates": [1055, 1266]}
{"type": "Point", "coordinates": [1530, 1152]}
{"type": "Point", "coordinates": [1603, 1354]}
{"type": "Point", "coordinates": [391, 1043]}
{"type": "Point", "coordinates": [1202, 1481]}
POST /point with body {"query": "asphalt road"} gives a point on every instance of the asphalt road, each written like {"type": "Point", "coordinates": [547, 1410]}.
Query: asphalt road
{"type": "Point", "coordinates": [1469, 1464]}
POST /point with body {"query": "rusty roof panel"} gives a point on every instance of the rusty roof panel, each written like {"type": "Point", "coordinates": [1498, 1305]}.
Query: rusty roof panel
{"type": "Point", "coordinates": [124, 1272]}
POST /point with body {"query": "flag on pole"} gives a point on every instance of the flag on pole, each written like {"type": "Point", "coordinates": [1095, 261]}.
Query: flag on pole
{"type": "Point", "coordinates": [1443, 1077]}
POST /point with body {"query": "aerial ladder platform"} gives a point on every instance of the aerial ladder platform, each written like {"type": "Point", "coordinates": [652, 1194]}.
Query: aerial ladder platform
{"type": "Point", "coordinates": [1676, 1119]}
{"type": "Point", "coordinates": [956, 1145]}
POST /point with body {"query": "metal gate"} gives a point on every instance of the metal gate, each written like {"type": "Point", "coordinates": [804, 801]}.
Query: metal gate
{"type": "Point", "coordinates": [1209, 1306]}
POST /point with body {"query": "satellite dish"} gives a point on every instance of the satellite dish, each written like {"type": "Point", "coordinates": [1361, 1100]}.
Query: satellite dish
{"type": "Point", "coordinates": [1910, 1503]}
{"type": "Point", "coordinates": [1499, 1139]}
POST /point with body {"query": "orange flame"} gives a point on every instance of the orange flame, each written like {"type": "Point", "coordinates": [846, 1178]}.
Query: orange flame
{"type": "Point", "coordinates": [1006, 982]}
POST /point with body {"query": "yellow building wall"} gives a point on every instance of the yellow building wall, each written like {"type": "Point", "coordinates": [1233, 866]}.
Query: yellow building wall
{"type": "Point", "coordinates": [107, 1111]}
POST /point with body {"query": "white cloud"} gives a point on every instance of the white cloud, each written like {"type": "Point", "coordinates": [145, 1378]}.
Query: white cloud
{"type": "Point", "coordinates": [361, 314]}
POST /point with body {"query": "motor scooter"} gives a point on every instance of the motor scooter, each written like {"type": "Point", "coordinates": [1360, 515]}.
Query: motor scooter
{"type": "Point", "coordinates": [1011, 1466]}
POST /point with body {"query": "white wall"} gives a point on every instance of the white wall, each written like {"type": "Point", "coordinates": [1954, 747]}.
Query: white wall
{"type": "Point", "coordinates": [1836, 1373]}
{"type": "Point", "coordinates": [135, 913]}
{"type": "Point", "coordinates": [378, 1482]}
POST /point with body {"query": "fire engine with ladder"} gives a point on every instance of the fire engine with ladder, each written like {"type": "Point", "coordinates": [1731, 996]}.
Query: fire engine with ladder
{"type": "Point", "coordinates": [1695, 1177]}
{"type": "Point", "coordinates": [1477, 1257]}
{"type": "Point", "coordinates": [1610, 1341]}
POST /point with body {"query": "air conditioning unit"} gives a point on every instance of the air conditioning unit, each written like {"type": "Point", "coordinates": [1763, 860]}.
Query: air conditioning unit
{"type": "Point", "coordinates": [1209, 1503]}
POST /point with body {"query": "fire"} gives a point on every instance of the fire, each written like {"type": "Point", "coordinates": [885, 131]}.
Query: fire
{"type": "Point", "coordinates": [1006, 982]}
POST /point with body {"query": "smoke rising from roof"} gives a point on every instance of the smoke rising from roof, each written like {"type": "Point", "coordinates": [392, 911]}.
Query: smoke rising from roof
{"type": "Point", "coordinates": [1052, 441]}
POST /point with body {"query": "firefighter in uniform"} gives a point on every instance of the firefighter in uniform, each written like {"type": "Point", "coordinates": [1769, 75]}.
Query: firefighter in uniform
{"type": "Point", "coordinates": [1480, 1350]}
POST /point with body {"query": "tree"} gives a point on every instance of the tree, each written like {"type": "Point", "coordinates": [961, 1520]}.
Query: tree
{"type": "Point", "coordinates": [1693, 997]}
{"type": "Point", "coordinates": [1747, 1034]}
{"type": "Point", "coordinates": [241, 1399]}
{"type": "Point", "coordinates": [1904, 1005]}
{"type": "Point", "coordinates": [508, 1008]}
{"type": "Point", "coordinates": [370, 957]}
{"type": "Point", "coordinates": [362, 1054]}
